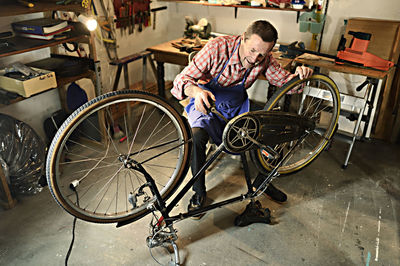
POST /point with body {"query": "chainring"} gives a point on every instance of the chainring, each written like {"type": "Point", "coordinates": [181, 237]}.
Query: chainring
{"type": "Point", "coordinates": [239, 132]}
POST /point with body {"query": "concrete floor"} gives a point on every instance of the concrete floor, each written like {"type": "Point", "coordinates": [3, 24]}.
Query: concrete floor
{"type": "Point", "coordinates": [332, 217]}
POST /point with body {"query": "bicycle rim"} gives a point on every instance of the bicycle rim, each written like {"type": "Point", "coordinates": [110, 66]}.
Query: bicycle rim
{"type": "Point", "coordinates": [317, 98]}
{"type": "Point", "coordinates": [99, 143]}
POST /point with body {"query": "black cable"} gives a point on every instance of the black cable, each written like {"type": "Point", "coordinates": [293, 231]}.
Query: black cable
{"type": "Point", "coordinates": [74, 46]}
{"type": "Point", "coordinates": [73, 230]}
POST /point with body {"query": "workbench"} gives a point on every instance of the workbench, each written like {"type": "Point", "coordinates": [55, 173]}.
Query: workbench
{"type": "Point", "coordinates": [166, 53]}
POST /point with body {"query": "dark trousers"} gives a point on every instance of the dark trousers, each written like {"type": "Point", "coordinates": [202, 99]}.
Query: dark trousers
{"type": "Point", "coordinates": [200, 139]}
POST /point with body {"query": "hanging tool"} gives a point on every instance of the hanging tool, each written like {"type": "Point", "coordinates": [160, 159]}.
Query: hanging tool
{"type": "Point", "coordinates": [109, 41]}
{"type": "Point", "coordinates": [318, 18]}
{"type": "Point", "coordinates": [131, 22]}
{"type": "Point", "coordinates": [154, 10]}
{"type": "Point", "coordinates": [122, 17]}
{"type": "Point", "coordinates": [26, 3]}
{"type": "Point", "coordinates": [141, 17]}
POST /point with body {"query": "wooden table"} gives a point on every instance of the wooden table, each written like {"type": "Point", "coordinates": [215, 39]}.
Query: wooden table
{"type": "Point", "coordinates": [330, 65]}
{"type": "Point", "coordinates": [166, 53]}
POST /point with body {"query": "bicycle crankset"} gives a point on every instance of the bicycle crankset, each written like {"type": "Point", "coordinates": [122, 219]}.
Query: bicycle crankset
{"type": "Point", "coordinates": [264, 129]}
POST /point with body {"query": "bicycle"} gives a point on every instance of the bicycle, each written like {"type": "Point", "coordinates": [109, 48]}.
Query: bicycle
{"type": "Point", "coordinates": [123, 154]}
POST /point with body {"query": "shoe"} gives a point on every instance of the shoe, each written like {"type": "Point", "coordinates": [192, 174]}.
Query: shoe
{"type": "Point", "coordinates": [196, 202]}
{"type": "Point", "coordinates": [275, 194]}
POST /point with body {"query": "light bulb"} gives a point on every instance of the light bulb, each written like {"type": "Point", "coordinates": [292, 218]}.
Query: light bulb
{"type": "Point", "coordinates": [89, 22]}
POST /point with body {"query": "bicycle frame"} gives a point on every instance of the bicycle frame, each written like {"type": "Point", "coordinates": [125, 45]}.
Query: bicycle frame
{"type": "Point", "coordinates": [166, 209]}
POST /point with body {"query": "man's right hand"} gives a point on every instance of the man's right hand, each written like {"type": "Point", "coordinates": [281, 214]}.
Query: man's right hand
{"type": "Point", "coordinates": [201, 98]}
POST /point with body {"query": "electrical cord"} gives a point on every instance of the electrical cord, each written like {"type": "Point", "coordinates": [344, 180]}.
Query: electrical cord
{"type": "Point", "coordinates": [73, 230]}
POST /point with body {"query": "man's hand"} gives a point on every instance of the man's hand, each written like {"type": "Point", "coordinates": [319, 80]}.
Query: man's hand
{"type": "Point", "coordinates": [201, 97]}
{"type": "Point", "coordinates": [303, 72]}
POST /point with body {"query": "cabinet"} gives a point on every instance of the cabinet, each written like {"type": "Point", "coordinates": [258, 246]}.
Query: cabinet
{"type": "Point", "coordinates": [17, 45]}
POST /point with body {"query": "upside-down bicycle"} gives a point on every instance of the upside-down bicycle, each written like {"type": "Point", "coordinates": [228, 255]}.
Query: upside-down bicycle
{"type": "Point", "coordinates": [122, 155]}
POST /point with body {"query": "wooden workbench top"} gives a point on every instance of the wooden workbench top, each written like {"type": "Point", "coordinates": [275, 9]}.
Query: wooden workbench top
{"type": "Point", "coordinates": [166, 49]}
{"type": "Point", "coordinates": [329, 64]}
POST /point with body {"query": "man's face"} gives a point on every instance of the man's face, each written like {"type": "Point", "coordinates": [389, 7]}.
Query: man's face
{"type": "Point", "coordinates": [254, 50]}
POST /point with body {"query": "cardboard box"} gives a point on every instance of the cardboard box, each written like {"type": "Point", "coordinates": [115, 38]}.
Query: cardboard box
{"type": "Point", "coordinates": [31, 86]}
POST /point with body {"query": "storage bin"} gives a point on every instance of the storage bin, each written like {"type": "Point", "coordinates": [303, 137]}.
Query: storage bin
{"type": "Point", "coordinates": [307, 22]}
{"type": "Point", "coordinates": [31, 86]}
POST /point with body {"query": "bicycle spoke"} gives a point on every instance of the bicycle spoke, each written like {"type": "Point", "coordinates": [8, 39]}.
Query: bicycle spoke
{"type": "Point", "coordinates": [156, 156]}
{"type": "Point", "coordinates": [155, 147]}
{"type": "Point", "coordinates": [102, 169]}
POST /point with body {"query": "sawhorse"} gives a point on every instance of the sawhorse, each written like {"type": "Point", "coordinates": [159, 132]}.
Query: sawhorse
{"type": "Point", "coordinates": [123, 63]}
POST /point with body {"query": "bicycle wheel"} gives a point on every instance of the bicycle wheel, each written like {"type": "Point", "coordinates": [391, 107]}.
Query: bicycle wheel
{"type": "Point", "coordinates": [317, 98]}
{"type": "Point", "coordinates": [98, 146]}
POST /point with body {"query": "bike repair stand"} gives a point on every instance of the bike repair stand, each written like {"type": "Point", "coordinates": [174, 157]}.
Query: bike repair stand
{"type": "Point", "coordinates": [254, 212]}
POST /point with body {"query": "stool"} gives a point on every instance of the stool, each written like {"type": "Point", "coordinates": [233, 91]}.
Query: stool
{"type": "Point", "coordinates": [123, 63]}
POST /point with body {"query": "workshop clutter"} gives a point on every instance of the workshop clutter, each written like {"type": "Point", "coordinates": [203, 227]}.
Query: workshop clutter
{"type": "Point", "coordinates": [193, 29]}
{"type": "Point", "coordinates": [25, 80]}
{"type": "Point", "coordinates": [132, 12]}
{"type": "Point", "coordinates": [312, 22]}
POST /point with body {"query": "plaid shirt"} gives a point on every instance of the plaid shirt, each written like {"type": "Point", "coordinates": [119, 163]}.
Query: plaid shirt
{"type": "Point", "coordinates": [210, 60]}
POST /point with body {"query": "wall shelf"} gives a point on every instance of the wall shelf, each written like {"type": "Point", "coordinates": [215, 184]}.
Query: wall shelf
{"type": "Point", "coordinates": [23, 45]}
{"type": "Point", "coordinates": [236, 7]}
{"type": "Point", "coordinates": [11, 8]}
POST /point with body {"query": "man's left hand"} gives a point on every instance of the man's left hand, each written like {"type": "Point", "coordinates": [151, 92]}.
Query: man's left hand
{"type": "Point", "coordinates": [303, 72]}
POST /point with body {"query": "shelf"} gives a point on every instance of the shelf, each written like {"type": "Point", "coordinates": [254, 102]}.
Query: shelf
{"type": "Point", "coordinates": [237, 6]}
{"type": "Point", "coordinates": [60, 83]}
{"type": "Point", "coordinates": [11, 8]}
{"type": "Point", "coordinates": [21, 45]}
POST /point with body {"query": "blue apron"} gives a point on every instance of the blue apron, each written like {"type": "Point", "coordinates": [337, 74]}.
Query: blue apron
{"type": "Point", "coordinates": [230, 102]}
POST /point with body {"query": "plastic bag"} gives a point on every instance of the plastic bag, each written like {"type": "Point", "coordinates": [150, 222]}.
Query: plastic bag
{"type": "Point", "coordinates": [22, 155]}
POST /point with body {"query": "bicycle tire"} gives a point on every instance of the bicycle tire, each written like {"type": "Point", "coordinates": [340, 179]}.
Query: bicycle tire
{"type": "Point", "coordinates": [89, 138]}
{"type": "Point", "coordinates": [319, 87]}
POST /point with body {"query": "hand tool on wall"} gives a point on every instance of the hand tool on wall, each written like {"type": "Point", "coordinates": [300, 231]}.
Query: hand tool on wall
{"type": "Point", "coordinates": [26, 3]}
{"type": "Point", "coordinates": [133, 18]}
{"type": "Point", "coordinates": [122, 16]}
{"type": "Point", "coordinates": [130, 13]}
{"type": "Point", "coordinates": [155, 10]}
{"type": "Point", "coordinates": [140, 15]}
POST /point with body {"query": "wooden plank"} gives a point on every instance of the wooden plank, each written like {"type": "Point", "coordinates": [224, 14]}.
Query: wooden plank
{"type": "Point", "coordinates": [237, 6]}
{"type": "Point", "coordinates": [12, 8]}
{"type": "Point", "coordinates": [384, 34]}
{"type": "Point", "coordinates": [395, 134]}
{"type": "Point", "coordinates": [328, 64]}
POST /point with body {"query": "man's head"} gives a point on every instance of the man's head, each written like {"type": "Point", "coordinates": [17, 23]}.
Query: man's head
{"type": "Point", "coordinates": [258, 40]}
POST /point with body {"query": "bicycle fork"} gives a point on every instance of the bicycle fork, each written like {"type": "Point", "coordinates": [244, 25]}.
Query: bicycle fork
{"type": "Point", "coordinates": [163, 232]}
